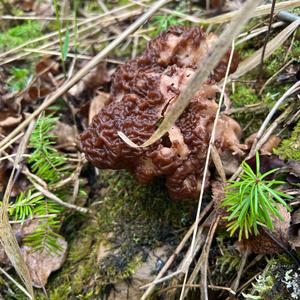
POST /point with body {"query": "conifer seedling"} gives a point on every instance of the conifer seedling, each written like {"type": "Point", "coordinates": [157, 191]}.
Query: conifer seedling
{"type": "Point", "coordinates": [252, 200]}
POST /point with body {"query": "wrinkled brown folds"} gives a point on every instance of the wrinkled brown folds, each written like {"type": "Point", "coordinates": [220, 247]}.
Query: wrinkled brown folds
{"type": "Point", "coordinates": [142, 91]}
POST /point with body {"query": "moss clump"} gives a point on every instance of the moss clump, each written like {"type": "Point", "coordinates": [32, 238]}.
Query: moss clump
{"type": "Point", "coordinates": [244, 95]}
{"type": "Point", "coordinates": [129, 217]}
{"type": "Point", "coordinates": [290, 148]}
{"type": "Point", "coordinates": [20, 34]}
{"type": "Point", "coordinates": [279, 281]}
{"type": "Point", "coordinates": [19, 78]}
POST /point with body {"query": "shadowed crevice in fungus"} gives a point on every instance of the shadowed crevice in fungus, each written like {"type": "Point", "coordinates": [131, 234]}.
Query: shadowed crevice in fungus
{"type": "Point", "coordinates": [143, 90]}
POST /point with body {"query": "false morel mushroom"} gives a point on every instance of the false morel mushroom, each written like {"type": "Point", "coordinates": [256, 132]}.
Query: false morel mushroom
{"type": "Point", "coordinates": [142, 91]}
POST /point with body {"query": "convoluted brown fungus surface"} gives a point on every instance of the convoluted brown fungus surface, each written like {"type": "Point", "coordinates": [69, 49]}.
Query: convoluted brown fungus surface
{"type": "Point", "coordinates": [142, 91]}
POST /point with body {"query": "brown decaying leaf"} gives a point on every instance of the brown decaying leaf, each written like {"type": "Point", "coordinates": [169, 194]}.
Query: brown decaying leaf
{"type": "Point", "coordinates": [267, 148]}
{"type": "Point", "coordinates": [45, 67]}
{"type": "Point", "coordinates": [96, 78]}
{"type": "Point", "coordinates": [40, 8]}
{"type": "Point", "coordinates": [8, 120]}
{"type": "Point", "coordinates": [262, 243]}
{"type": "Point", "coordinates": [65, 136]}
{"type": "Point", "coordinates": [96, 104]}
{"type": "Point", "coordinates": [40, 263]}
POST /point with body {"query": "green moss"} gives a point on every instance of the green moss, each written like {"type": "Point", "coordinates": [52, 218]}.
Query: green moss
{"type": "Point", "coordinates": [244, 95]}
{"type": "Point", "coordinates": [132, 219]}
{"type": "Point", "coordinates": [279, 281]}
{"type": "Point", "coordinates": [275, 61]}
{"type": "Point", "coordinates": [20, 34]}
{"type": "Point", "coordinates": [290, 148]}
{"type": "Point", "coordinates": [19, 78]}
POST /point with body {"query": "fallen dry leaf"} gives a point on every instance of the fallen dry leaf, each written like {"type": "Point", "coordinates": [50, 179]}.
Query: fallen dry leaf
{"type": "Point", "coordinates": [9, 121]}
{"type": "Point", "coordinates": [35, 92]}
{"type": "Point", "coordinates": [41, 263]}
{"type": "Point", "coordinates": [263, 243]}
{"type": "Point", "coordinates": [93, 80]}
{"type": "Point", "coordinates": [45, 67]}
{"type": "Point", "coordinates": [96, 104]}
{"type": "Point", "coordinates": [26, 5]}
{"type": "Point", "coordinates": [65, 136]}
{"type": "Point", "coordinates": [272, 142]}
{"type": "Point", "coordinates": [268, 146]}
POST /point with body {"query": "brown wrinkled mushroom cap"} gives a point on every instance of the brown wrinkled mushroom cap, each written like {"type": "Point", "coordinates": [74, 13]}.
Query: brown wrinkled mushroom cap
{"type": "Point", "coordinates": [142, 91]}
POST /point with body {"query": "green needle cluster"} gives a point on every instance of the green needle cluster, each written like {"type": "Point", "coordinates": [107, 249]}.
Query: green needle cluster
{"type": "Point", "coordinates": [252, 200]}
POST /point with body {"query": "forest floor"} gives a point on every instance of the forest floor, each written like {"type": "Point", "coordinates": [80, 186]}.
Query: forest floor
{"type": "Point", "coordinates": [72, 231]}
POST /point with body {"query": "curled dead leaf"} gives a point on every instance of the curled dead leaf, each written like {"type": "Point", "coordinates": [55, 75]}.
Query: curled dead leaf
{"type": "Point", "coordinates": [268, 146]}
{"type": "Point", "coordinates": [45, 67]}
{"type": "Point", "coordinates": [65, 136]}
{"type": "Point", "coordinates": [96, 104]}
{"type": "Point", "coordinates": [263, 243]}
{"type": "Point", "coordinates": [41, 263]}
{"type": "Point", "coordinates": [35, 92]}
{"type": "Point", "coordinates": [93, 80]}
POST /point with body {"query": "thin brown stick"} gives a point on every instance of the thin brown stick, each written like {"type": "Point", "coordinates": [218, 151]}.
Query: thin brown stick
{"type": "Point", "coordinates": [7, 236]}
{"type": "Point", "coordinates": [205, 254]}
{"type": "Point", "coordinates": [267, 37]}
{"type": "Point", "coordinates": [236, 282]}
{"type": "Point", "coordinates": [198, 286]}
{"type": "Point", "coordinates": [53, 197]}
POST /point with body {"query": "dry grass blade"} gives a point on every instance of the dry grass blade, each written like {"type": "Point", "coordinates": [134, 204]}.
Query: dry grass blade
{"type": "Point", "coordinates": [192, 253]}
{"type": "Point", "coordinates": [53, 34]}
{"type": "Point", "coordinates": [98, 23]}
{"type": "Point", "coordinates": [16, 283]}
{"type": "Point", "coordinates": [201, 74]}
{"type": "Point", "coordinates": [204, 257]}
{"type": "Point", "coordinates": [96, 60]}
{"type": "Point", "coordinates": [7, 237]}
{"type": "Point", "coordinates": [254, 60]}
{"type": "Point", "coordinates": [260, 11]}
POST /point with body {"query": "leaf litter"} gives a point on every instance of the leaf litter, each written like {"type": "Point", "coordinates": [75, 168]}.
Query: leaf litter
{"type": "Point", "coordinates": [27, 83]}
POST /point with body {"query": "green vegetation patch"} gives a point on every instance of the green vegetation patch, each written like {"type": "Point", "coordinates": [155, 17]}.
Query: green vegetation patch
{"type": "Point", "coordinates": [130, 219]}
{"type": "Point", "coordinates": [290, 148]}
{"type": "Point", "coordinates": [20, 34]}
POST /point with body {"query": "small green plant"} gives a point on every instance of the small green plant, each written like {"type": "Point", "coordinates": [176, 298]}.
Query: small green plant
{"type": "Point", "coordinates": [45, 161]}
{"type": "Point", "coordinates": [290, 148]}
{"type": "Point", "coordinates": [18, 79]}
{"type": "Point", "coordinates": [252, 200]}
{"type": "Point", "coordinates": [63, 43]}
{"type": "Point", "coordinates": [20, 34]}
{"type": "Point", "coordinates": [164, 21]}
{"type": "Point", "coordinates": [51, 166]}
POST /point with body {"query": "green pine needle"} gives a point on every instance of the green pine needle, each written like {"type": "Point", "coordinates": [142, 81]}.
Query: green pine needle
{"type": "Point", "coordinates": [252, 200]}
{"type": "Point", "coordinates": [46, 162]}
